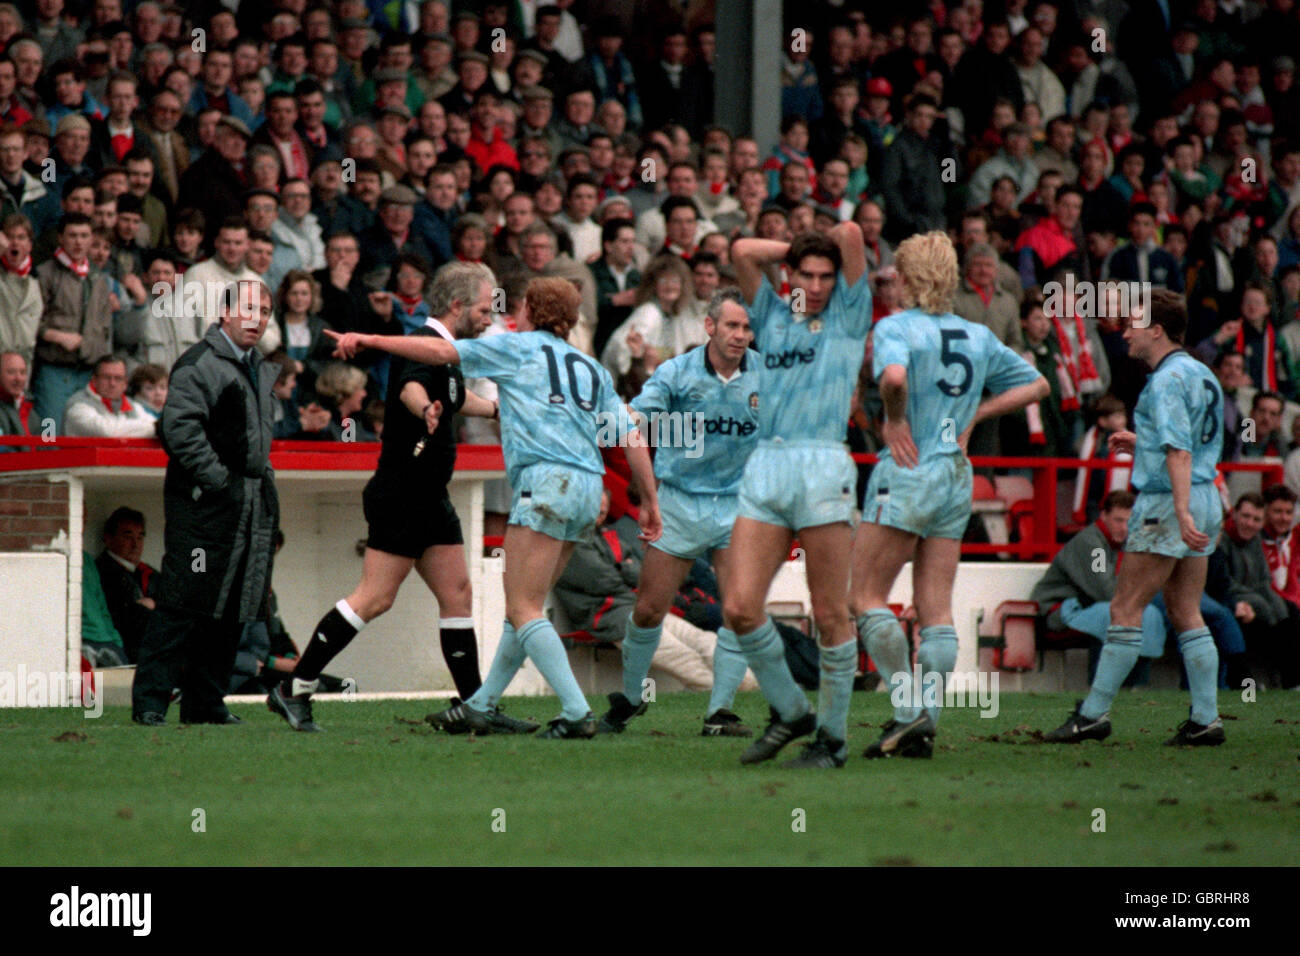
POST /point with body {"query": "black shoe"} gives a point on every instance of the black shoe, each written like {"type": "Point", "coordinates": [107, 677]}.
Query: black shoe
{"type": "Point", "coordinates": [461, 718]}
{"type": "Point", "coordinates": [504, 724]}
{"type": "Point", "coordinates": [1192, 734]}
{"type": "Point", "coordinates": [295, 709]}
{"type": "Point", "coordinates": [824, 753]}
{"type": "Point", "coordinates": [562, 729]}
{"type": "Point", "coordinates": [1078, 728]}
{"type": "Point", "coordinates": [150, 718]}
{"type": "Point", "coordinates": [723, 723]}
{"type": "Point", "coordinates": [621, 710]}
{"type": "Point", "coordinates": [914, 739]}
{"type": "Point", "coordinates": [776, 735]}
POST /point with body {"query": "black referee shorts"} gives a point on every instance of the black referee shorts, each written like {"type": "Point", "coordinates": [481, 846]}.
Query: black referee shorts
{"type": "Point", "coordinates": [407, 523]}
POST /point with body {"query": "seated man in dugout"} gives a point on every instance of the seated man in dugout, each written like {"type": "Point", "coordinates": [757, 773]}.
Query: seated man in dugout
{"type": "Point", "coordinates": [128, 583]}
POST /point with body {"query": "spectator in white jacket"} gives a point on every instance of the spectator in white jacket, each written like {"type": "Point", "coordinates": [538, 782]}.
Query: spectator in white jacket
{"type": "Point", "coordinates": [102, 410]}
{"type": "Point", "coordinates": [297, 224]}
{"type": "Point", "coordinates": [21, 303]}
{"type": "Point", "coordinates": [665, 322]}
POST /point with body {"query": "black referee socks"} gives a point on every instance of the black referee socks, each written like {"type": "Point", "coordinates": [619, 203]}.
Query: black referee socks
{"type": "Point", "coordinates": [460, 651]}
{"type": "Point", "coordinates": [332, 634]}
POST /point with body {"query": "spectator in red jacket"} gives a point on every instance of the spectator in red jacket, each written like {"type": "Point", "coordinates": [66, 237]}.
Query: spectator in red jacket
{"type": "Point", "coordinates": [487, 145]}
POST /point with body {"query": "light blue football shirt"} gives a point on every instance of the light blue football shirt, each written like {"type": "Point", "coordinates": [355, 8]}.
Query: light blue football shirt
{"type": "Point", "coordinates": [809, 363]}
{"type": "Point", "coordinates": [949, 362]}
{"type": "Point", "coordinates": [726, 415]}
{"type": "Point", "coordinates": [555, 400]}
{"type": "Point", "coordinates": [1181, 408]}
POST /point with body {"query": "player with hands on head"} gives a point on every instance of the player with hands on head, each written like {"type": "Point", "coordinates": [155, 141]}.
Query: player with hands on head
{"type": "Point", "coordinates": [800, 479]}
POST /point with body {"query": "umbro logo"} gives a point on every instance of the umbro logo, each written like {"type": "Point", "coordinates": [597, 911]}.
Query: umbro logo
{"type": "Point", "coordinates": [320, 636]}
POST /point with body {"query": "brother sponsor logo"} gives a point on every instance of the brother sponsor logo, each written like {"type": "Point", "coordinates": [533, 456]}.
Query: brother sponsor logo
{"type": "Point", "coordinates": [729, 426]}
{"type": "Point", "coordinates": [789, 358]}
{"type": "Point", "coordinates": [77, 909]}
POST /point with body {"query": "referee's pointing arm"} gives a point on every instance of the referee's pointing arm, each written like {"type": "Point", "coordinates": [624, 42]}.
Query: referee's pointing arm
{"type": "Point", "coordinates": [430, 350]}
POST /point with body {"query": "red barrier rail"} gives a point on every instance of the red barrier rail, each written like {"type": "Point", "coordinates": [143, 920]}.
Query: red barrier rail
{"type": "Point", "coordinates": [67, 452]}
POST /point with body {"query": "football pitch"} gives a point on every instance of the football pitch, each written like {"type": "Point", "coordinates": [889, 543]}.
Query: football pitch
{"type": "Point", "coordinates": [380, 787]}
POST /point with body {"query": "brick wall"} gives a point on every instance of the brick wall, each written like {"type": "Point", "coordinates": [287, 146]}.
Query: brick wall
{"type": "Point", "coordinates": [32, 511]}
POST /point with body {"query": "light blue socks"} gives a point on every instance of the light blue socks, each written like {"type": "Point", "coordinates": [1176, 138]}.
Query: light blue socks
{"type": "Point", "coordinates": [729, 668]}
{"type": "Point", "coordinates": [1118, 655]}
{"type": "Point", "coordinates": [887, 645]}
{"type": "Point", "coordinates": [505, 664]}
{"type": "Point", "coordinates": [936, 656]}
{"type": "Point", "coordinates": [544, 647]}
{"type": "Point", "coordinates": [765, 654]}
{"type": "Point", "coordinates": [1201, 658]}
{"type": "Point", "coordinates": [835, 691]}
{"type": "Point", "coordinates": [639, 646]}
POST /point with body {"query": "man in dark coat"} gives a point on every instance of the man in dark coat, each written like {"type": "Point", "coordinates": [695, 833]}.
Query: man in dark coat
{"type": "Point", "coordinates": [215, 183]}
{"type": "Point", "coordinates": [221, 510]}
{"type": "Point", "coordinates": [129, 584]}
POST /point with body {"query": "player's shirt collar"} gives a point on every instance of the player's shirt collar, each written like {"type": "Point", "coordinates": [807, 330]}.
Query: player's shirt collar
{"type": "Point", "coordinates": [1167, 357]}
{"type": "Point", "coordinates": [432, 323]}
{"type": "Point", "coordinates": [708, 367]}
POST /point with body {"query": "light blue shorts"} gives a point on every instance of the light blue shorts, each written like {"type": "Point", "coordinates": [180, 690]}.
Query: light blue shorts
{"type": "Point", "coordinates": [1153, 529]}
{"type": "Point", "coordinates": [694, 525]}
{"type": "Point", "coordinates": [560, 502]}
{"type": "Point", "coordinates": [932, 500]}
{"type": "Point", "coordinates": [798, 485]}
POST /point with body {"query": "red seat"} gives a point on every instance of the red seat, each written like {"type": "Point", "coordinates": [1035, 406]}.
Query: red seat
{"type": "Point", "coordinates": [1015, 623]}
{"type": "Point", "coordinates": [982, 489]}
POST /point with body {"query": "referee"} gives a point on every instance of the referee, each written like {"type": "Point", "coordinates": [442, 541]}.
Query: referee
{"type": "Point", "coordinates": [412, 521]}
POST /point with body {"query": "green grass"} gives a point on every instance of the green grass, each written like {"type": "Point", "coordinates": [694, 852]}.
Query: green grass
{"type": "Point", "coordinates": [381, 788]}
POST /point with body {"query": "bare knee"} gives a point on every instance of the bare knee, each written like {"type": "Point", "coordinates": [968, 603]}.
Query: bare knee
{"type": "Point", "coordinates": [370, 606]}
{"type": "Point", "coordinates": [832, 622]}
{"type": "Point", "coordinates": [741, 616]}
{"type": "Point", "coordinates": [456, 600]}
{"type": "Point", "coordinates": [646, 613]}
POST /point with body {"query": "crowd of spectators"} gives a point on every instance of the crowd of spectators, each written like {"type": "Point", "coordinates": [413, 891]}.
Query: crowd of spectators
{"type": "Point", "coordinates": [151, 153]}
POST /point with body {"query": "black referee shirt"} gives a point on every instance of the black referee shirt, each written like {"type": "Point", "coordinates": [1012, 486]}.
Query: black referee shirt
{"type": "Point", "coordinates": [403, 430]}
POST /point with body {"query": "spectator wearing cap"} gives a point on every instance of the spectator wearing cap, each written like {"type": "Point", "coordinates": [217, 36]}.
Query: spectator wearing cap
{"type": "Point", "coordinates": [102, 410]}
{"type": "Point", "coordinates": [487, 145]}
{"type": "Point", "coordinates": [471, 75]}
{"type": "Point", "coordinates": [215, 182]}
{"type": "Point", "coordinates": [978, 298]}
{"type": "Point", "coordinates": [214, 89]}
{"type": "Point", "coordinates": [526, 71]}
{"type": "Point", "coordinates": [392, 235]}
{"type": "Point", "coordinates": [1012, 160]}
{"type": "Point", "coordinates": [611, 71]}
{"type": "Point", "coordinates": [391, 125]}
{"type": "Point", "coordinates": [71, 150]}
{"type": "Point", "coordinates": [435, 76]}
{"type": "Point", "coordinates": [393, 67]}
{"type": "Point", "coordinates": [262, 211]}
{"type": "Point", "coordinates": [535, 124]}
{"type": "Point", "coordinates": [280, 132]}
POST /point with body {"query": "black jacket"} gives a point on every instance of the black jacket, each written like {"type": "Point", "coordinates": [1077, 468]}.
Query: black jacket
{"type": "Point", "coordinates": [219, 493]}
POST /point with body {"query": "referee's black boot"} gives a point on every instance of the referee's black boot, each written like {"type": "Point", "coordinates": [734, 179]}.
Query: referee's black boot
{"type": "Point", "coordinates": [294, 708]}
